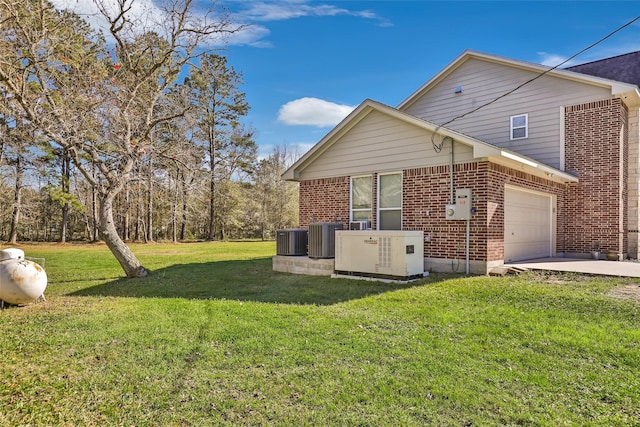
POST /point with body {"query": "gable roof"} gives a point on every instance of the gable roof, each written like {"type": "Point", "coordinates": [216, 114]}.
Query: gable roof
{"type": "Point", "coordinates": [618, 88]}
{"type": "Point", "coordinates": [623, 68]}
{"type": "Point", "coordinates": [480, 149]}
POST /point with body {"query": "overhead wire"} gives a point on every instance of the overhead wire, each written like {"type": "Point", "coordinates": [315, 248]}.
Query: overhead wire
{"type": "Point", "coordinates": [438, 147]}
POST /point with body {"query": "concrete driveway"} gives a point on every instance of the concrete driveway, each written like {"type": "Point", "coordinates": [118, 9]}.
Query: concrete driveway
{"type": "Point", "coordinates": [588, 266]}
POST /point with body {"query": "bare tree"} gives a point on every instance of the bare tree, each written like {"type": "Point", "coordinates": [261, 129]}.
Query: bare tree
{"type": "Point", "coordinates": [276, 199]}
{"type": "Point", "coordinates": [99, 104]}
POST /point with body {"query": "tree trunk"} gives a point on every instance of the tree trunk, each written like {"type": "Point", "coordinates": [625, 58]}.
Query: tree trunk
{"type": "Point", "coordinates": [64, 222]}
{"type": "Point", "coordinates": [150, 203]}
{"type": "Point", "coordinates": [138, 228]}
{"type": "Point", "coordinates": [174, 207]}
{"type": "Point", "coordinates": [126, 234]}
{"type": "Point", "coordinates": [212, 202]}
{"type": "Point", "coordinates": [17, 201]}
{"type": "Point", "coordinates": [183, 225]}
{"type": "Point", "coordinates": [109, 233]}
{"type": "Point", "coordinates": [94, 211]}
{"type": "Point", "coordinates": [263, 222]}
{"type": "Point", "coordinates": [66, 180]}
{"type": "Point", "coordinates": [212, 184]}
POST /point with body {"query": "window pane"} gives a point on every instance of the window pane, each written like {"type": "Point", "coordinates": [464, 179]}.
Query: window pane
{"type": "Point", "coordinates": [361, 192]}
{"type": "Point", "coordinates": [519, 133]}
{"type": "Point", "coordinates": [391, 191]}
{"type": "Point", "coordinates": [361, 215]}
{"type": "Point", "coordinates": [519, 121]}
{"type": "Point", "coordinates": [390, 220]}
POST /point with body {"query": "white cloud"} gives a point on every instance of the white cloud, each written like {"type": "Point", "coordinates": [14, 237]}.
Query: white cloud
{"type": "Point", "coordinates": [553, 59]}
{"type": "Point", "coordinates": [143, 13]}
{"type": "Point", "coordinates": [251, 12]}
{"type": "Point", "coordinates": [254, 35]}
{"type": "Point", "coordinates": [313, 112]}
{"type": "Point", "coordinates": [85, 9]}
{"type": "Point", "coordinates": [260, 11]}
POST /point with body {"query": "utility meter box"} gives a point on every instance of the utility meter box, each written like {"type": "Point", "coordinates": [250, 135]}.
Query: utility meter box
{"type": "Point", "coordinates": [461, 210]}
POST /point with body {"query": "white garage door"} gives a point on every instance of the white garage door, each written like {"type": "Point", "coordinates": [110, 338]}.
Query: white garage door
{"type": "Point", "coordinates": [528, 225]}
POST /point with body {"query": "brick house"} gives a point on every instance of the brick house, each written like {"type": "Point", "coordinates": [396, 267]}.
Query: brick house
{"type": "Point", "coordinates": [552, 166]}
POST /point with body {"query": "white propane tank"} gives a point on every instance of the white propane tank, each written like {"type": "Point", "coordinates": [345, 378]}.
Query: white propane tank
{"type": "Point", "coordinates": [21, 281]}
{"type": "Point", "coordinates": [11, 253]}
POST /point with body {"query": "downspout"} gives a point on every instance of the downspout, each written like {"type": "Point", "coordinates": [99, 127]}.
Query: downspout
{"type": "Point", "coordinates": [467, 246]}
{"type": "Point", "coordinates": [453, 201]}
{"type": "Point", "coordinates": [452, 195]}
{"type": "Point", "coordinates": [437, 148]}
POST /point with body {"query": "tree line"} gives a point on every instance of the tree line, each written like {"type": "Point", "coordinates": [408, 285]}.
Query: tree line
{"type": "Point", "coordinates": [134, 133]}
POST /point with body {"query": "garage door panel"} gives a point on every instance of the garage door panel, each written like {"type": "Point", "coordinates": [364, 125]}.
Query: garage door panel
{"type": "Point", "coordinates": [527, 225]}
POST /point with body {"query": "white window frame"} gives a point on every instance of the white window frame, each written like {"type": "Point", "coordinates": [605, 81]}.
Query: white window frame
{"type": "Point", "coordinates": [379, 209]}
{"type": "Point", "coordinates": [525, 127]}
{"type": "Point", "coordinates": [351, 208]}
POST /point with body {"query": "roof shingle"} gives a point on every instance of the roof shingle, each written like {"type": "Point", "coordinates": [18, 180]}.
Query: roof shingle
{"type": "Point", "coordinates": [623, 68]}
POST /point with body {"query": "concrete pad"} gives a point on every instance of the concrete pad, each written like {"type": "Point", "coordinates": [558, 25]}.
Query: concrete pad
{"type": "Point", "coordinates": [303, 265]}
{"type": "Point", "coordinates": [587, 266]}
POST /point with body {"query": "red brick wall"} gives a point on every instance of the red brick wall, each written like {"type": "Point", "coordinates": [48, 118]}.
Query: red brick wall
{"type": "Point", "coordinates": [596, 149]}
{"type": "Point", "coordinates": [428, 189]}
{"type": "Point", "coordinates": [324, 200]}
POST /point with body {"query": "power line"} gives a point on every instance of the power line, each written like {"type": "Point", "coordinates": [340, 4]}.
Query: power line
{"type": "Point", "coordinates": [438, 147]}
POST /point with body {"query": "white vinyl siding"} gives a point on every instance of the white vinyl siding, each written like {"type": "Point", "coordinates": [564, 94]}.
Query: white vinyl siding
{"type": "Point", "coordinates": [483, 82]}
{"type": "Point", "coordinates": [390, 201]}
{"type": "Point", "coordinates": [380, 143]}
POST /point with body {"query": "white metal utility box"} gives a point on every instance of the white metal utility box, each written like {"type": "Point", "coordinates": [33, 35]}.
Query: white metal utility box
{"type": "Point", "coordinates": [393, 254]}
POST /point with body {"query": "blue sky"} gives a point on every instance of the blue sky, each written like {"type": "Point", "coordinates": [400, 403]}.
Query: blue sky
{"type": "Point", "coordinates": [343, 52]}
{"type": "Point", "coordinates": [306, 64]}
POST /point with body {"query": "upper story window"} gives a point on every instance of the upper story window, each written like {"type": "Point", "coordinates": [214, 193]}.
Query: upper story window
{"type": "Point", "coordinates": [361, 195]}
{"type": "Point", "coordinates": [520, 126]}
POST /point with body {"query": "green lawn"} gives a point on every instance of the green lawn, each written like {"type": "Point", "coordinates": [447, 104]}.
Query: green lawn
{"type": "Point", "coordinates": [215, 337]}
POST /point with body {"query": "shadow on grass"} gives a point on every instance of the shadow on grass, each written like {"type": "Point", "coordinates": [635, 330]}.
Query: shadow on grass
{"type": "Point", "coordinates": [247, 280]}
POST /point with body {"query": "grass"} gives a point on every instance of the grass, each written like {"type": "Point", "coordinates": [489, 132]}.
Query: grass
{"type": "Point", "coordinates": [215, 337]}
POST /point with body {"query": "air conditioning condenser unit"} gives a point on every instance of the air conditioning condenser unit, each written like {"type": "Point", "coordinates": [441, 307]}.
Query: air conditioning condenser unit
{"type": "Point", "coordinates": [291, 242]}
{"type": "Point", "coordinates": [322, 239]}
{"type": "Point", "coordinates": [393, 254]}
